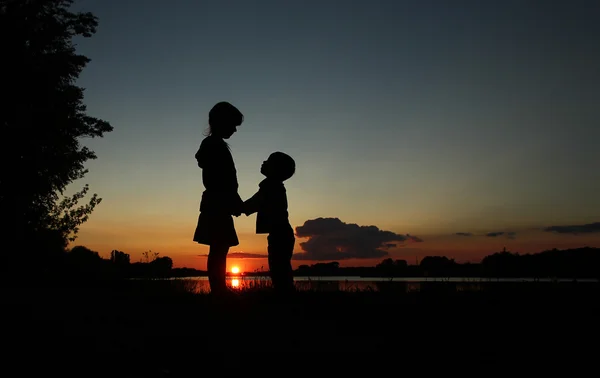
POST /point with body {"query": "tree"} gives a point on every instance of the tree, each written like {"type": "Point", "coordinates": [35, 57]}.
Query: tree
{"type": "Point", "coordinates": [389, 267]}
{"type": "Point", "coordinates": [84, 255]}
{"type": "Point", "coordinates": [119, 257]}
{"type": "Point", "coordinates": [437, 265]}
{"type": "Point", "coordinates": [43, 119]}
{"type": "Point", "coordinates": [162, 264]}
{"type": "Point", "coordinates": [149, 256]}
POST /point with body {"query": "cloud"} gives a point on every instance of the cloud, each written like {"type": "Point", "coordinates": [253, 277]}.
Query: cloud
{"type": "Point", "coordinates": [332, 239]}
{"type": "Point", "coordinates": [509, 235]}
{"type": "Point", "coordinates": [575, 229]}
{"type": "Point", "coordinates": [242, 255]}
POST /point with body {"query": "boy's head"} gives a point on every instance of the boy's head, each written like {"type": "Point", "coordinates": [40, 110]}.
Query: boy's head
{"type": "Point", "coordinates": [278, 166]}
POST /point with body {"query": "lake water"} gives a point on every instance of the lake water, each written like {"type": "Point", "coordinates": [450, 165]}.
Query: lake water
{"type": "Point", "coordinates": [406, 284]}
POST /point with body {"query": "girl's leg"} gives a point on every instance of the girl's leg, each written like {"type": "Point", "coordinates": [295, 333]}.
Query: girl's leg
{"type": "Point", "coordinates": [217, 268]}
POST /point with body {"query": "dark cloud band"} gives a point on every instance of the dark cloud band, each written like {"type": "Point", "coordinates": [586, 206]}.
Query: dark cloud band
{"type": "Point", "coordinates": [332, 239]}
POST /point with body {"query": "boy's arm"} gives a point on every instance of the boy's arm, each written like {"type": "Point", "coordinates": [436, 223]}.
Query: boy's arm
{"type": "Point", "coordinates": [253, 204]}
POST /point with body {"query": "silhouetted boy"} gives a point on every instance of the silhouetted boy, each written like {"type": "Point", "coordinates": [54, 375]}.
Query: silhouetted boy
{"type": "Point", "coordinates": [270, 204]}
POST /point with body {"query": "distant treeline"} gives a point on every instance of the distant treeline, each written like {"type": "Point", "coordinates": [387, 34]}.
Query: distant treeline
{"type": "Point", "coordinates": [84, 263]}
{"type": "Point", "coordinates": [569, 263]}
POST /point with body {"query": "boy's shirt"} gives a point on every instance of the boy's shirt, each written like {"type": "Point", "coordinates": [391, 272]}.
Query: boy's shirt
{"type": "Point", "coordinates": [270, 204]}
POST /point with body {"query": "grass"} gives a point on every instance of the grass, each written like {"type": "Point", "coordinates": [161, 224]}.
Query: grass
{"type": "Point", "coordinates": [169, 319]}
{"type": "Point", "coordinates": [244, 285]}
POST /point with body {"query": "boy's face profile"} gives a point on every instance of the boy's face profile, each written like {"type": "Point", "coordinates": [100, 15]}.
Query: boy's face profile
{"type": "Point", "coordinates": [269, 166]}
{"type": "Point", "coordinates": [266, 167]}
{"type": "Point", "coordinates": [276, 166]}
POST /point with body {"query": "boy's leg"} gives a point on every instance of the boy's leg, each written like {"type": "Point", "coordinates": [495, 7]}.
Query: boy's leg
{"type": "Point", "coordinates": [287, 273]}
{"type": "Point", "coordinates": [273, 266]}
{"type": "Point", "coordinates": [281, 248]}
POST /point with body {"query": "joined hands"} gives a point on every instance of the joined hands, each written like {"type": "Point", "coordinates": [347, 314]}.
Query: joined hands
{"type": "Point", "coordinates": [240, 212]}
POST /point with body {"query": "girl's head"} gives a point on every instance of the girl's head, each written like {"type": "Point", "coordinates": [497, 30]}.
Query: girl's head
{"type": "Point", "coordinates": [223, 120]}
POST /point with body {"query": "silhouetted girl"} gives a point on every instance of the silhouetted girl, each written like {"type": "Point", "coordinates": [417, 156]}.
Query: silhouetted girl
{"type": "Point", "coordinates": [220, 199]}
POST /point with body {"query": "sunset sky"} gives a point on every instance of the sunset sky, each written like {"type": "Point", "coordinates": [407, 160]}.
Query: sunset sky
{"type": "Point", "coordinates": [449, 121]}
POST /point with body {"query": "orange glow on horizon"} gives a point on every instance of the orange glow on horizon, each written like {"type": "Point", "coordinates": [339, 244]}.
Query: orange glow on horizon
{"type": "Point", "coordinates": [174, 243]}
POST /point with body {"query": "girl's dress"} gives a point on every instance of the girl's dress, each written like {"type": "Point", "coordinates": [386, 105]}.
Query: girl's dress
{"type": "Point", "coordinates": [220, 199]}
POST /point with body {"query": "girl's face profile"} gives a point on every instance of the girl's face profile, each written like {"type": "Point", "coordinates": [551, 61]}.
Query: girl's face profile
{"type": "Point", "coordinates": [227, 130]}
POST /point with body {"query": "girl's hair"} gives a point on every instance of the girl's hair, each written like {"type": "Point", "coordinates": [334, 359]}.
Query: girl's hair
{"type": "Point", "coordinates": [223, 113]}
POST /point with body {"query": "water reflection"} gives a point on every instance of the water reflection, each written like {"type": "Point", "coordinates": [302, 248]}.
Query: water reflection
{"type": "Point", "coordinates": [349, 284]}
{"type": "Point", "coordinates": [242, 283]}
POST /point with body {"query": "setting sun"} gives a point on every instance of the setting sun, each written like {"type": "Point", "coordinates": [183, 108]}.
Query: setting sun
{"type": "Point", "coordinates": [235, 270]}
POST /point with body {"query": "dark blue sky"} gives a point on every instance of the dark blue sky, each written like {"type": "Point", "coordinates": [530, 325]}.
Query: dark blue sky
{"type": "Point", "coordinates": [415, 116]}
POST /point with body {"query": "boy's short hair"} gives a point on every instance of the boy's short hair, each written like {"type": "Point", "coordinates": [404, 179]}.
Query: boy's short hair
{"type": "Point", "coordinates": [284, 165]}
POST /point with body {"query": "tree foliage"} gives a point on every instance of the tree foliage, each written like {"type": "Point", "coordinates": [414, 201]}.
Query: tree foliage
{"type": "Point", "coordinates": [43, 118]}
